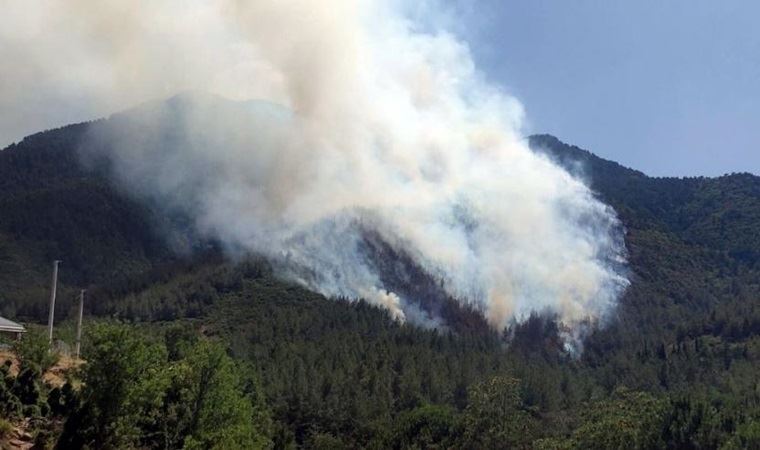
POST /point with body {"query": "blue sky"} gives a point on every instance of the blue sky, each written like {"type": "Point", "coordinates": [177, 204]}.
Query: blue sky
{"type": "Point", "coordinates": [666, 87]}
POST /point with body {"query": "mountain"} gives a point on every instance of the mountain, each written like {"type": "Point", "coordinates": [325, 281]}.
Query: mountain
{"type": "Point", "coordinates": [52, 206]}
{"type": "Point", "coordinates": [719, 213]}
{"type": "Point", "coordinates": [693, 254]}
{"type": "Point", "coordinates": [685, 334]}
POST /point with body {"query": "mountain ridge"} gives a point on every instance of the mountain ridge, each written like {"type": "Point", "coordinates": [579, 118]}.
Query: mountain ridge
{"type": "Point", "coordinates": [710, 213]}
{"type": "Point", "coordinates": [686, 333]}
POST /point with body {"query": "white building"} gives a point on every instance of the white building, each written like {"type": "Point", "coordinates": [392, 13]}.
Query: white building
{"type": "Point", "coordinates": [11, 327]}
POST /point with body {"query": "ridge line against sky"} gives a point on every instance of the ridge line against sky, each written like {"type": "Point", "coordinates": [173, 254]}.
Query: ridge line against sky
{"type": "Point", "coordinates": [670, 88]}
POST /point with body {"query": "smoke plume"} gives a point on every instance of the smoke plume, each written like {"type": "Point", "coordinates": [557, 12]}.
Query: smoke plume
{"type": "Point", "coordinates": [369, 118]}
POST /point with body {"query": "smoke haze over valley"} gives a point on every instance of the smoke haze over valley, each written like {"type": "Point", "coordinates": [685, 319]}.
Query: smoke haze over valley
{"type": "Point", "coordinates": [367, 120]}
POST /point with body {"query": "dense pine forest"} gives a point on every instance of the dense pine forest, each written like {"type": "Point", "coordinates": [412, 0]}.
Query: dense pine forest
{"type": "Point", "coordinates": [186, 347]}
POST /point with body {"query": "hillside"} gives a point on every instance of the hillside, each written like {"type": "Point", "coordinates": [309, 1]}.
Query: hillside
{"type": "Point", "coordinates": [718, 213]}
{"type": "Point", "coordinates": [694, 265]}
{"type": "Point", "coordinates": [684, 336]}
{"type": "Point", "coordinates": [693, 242]}
{"type": "Point", "coordinates": [51, 206]}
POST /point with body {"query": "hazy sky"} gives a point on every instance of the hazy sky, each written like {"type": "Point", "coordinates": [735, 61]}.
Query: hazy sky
{"type": "Point", "coordinates": [667, 87]}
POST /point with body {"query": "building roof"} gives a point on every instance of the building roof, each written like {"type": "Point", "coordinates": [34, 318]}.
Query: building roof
{"type": "Point", "coordinates": [11, 326]}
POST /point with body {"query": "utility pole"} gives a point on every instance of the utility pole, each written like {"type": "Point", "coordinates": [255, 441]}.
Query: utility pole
{"type": "Point", "coordinates": [52, 300]}
{"type": "Point", "coordinates": [79, 322]}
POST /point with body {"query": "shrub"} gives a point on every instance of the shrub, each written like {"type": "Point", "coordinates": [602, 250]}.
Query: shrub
{"type": "Point", "coordinates": [55, 401]}
{"type": "Point", "coordinates": [9, 404]}
{"type": "Point", "coordinates": [6, 428]}
{"type": "Point", "coordinates": [34, 350]}
{"type": "Point", "coordinates": [27, 387]}
{"type": "Point", "coordinates": [44, 409]}
{"type": "Point", "coordinates": [32, 411]}
{"type": "Point", "coordinates": [43, 439]}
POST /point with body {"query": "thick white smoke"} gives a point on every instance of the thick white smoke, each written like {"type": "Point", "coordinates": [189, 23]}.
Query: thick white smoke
{"type": "Point", "coordinates": [368, 122]}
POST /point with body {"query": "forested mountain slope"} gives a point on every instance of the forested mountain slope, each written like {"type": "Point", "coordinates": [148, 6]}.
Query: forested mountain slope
{"type": "Point", "coordinates": [720, 213]}
{"type": "Point", "coordinates": [53, 208]}
{"type": "Point", "coordinates": [684, 337]}
{"type": "Point", "coordinates": [693, 248]}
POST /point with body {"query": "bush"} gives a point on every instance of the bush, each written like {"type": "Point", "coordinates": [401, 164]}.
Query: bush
{"type": "Point", "coordinates": [69, 398]}
{"type": "Point", "coordinates": [44, 409]}
{"type": "Point", "coordinates": [32, 411]}
{"type": "Point", "coordinates": [55, 401]}
{"type": "Point", "coordinates": [34, 350]}
{"type": "Point", "coordinates": [62, 401]}
{"type": "Point", "coordinates": [5, 369]}
{"type": "Point", "coordinates": [6, 428]}
{"type": "Point", "coordinates": [27, 387]}
{"type": "Point", "coordinates": [43, 439]}
{"type": "Point", "coordinates": [10, 406]}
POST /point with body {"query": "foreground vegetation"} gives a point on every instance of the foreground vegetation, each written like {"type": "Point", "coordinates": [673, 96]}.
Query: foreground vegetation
{"type": "Point", "coordinates": [345, 376]}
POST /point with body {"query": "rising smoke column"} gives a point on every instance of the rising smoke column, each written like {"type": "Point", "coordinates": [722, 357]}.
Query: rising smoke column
{"type": "Point", "coordinates": [368, 120]}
